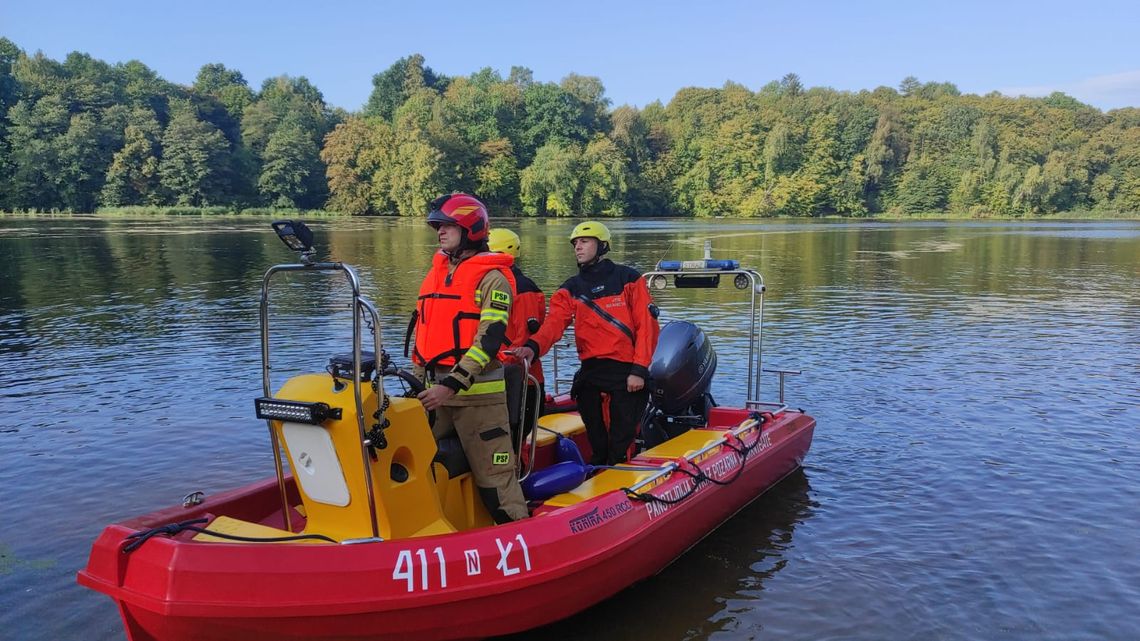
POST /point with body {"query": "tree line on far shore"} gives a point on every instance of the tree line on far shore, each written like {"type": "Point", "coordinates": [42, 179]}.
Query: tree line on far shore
{"type": "Point", "coordinates": [83, 134]}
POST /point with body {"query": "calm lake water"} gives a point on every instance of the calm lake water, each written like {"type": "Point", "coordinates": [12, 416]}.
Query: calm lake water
{"type": "Point", "coordinates": [975, 472]}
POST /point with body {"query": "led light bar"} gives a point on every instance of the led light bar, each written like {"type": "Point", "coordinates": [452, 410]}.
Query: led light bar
{"type": "Point", "coordinates": [295, 411]}
{"type": "Point", "coordinates": [696, 281]}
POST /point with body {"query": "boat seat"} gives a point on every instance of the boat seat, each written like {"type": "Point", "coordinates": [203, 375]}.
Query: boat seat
{"type": "Point", "coordinates": [683, 445]}
{"type": "Point", "coordinates": [516, 385]}
{"type": "Point", "coordinates": [238, 527]}
{"type": "Point", "coordinates": [602, 483]}
{"type": "Point", "coordinates": [567, 425]}
{"type": "Point", "coordinates": [450, 454]}
{"type": "Point", "coordinates": [514, 379]}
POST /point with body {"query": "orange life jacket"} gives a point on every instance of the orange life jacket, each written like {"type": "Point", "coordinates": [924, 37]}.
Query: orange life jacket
{"type": "Point", "coordinates": [447, 314]}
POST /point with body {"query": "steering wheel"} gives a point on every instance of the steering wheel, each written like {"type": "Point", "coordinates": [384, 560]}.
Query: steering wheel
{"type": "Point", "coordinates": [412, 385]}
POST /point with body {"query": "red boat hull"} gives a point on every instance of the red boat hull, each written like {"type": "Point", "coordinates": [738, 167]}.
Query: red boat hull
{"type": "Point", "coordinates": [474, 584]}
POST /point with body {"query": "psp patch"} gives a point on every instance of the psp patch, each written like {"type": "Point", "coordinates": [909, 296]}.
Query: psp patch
{"type": "Point", "coordinates": [500, 300]}
{"type": "Point", "coordinates": [501, 458]}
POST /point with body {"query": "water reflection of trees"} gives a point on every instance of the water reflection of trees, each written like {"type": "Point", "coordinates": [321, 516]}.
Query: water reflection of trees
{"type": "Point", "coordinates": [122, 277]}
{"type": "Point", "coordinates": [687, 599]}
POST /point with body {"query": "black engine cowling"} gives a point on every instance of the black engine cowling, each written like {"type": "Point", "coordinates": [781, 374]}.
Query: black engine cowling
{"type": "Point", "coordinates": [680, 376]}
{"type": "Point", "coordinates": [682, 368]}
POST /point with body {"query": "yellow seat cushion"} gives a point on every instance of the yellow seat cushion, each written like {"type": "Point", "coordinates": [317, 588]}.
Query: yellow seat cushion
{"type": "Point", "coordinates": [237, 527]}
{"type": "Point", "coordinates": [684, 444]}
{"type": "Point", "coordinates": [567, 425]}
{"type": "Point", "coordinates": [601, 483]}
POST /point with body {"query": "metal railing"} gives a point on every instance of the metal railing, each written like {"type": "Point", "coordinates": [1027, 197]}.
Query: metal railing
{"type": "Point", "coordinates": [360, 306]}
{"type": "Point", "coordinates": [782, 373]}
{"type": "Point", "coordinates": [528, 381]}
{"type": "Point", "coordinates": [659, 279]}
{"type": "Point", "coordinates": [555, 357]}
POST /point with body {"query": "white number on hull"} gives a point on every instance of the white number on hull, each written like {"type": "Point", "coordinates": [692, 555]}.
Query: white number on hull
{"type": "Point", "coordinates": [411, 564]}
{"type": "Point", "coordinates": [406, 568]}
{"type": "Point", "coordinates": [505, 555]}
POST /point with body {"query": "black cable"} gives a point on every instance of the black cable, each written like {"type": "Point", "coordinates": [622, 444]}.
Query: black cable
{"type": "Point", "coordinates": [699, 477]}
{"type": "Point", "coordinates": [650, 498]}
{"type": "Point", "coordinates": [740, 470]}
{"type": "Point", "coordinates": [172, 529]}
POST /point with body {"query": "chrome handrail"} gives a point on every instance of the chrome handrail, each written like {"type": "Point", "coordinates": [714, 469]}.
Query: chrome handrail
{"type": "Point", "coordinates": [533, 423]}
{"type": "Point", "coordinates": [554, 358]}
{"type": "Point", "coordinates": [518, 440]}
{"type": "Point", "coordinates": [359, 304]}
{"type": "Point", "coordinates": [366, 306]}
{"type": "Point", "coordinates": [756, 327]}
{"type": "Point", "coordinates": [782, 373]}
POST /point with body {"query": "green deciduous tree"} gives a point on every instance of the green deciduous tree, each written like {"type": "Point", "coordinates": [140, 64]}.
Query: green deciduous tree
{"type": "Point", "coordinates": [356, 154]}
{"type": "Point", "coordinates": [498, 175]}
{"type": "Point", "coordinates": [195, 159]}
{"type": "Point", "coordinates": [922, 188]}
{"type": "Point", "coordinates": [296, 105]}
{"type": "Point", "coordinates": [222, 96]}
{"type": "Point", "coordinates": [78, 132]}
{"type": "Point", "coordinates": [886, 151]}
{"type": "Point", "coordinates": [291, 169]}
{"type": "Point", "coordinates": [605, 179]}
{"type": "Point", "coordinates": [36, 168]}
{"type": "Point", "coordinates": [550, 184]}
{"type": "Point", "coordinates": [133, 178]}
{"type": "Point", "coordinates": [416, 175]}
{"type": "Point", "coordinates": [391, 87]}
{"type": "Point", "coordinates": [550, 114]}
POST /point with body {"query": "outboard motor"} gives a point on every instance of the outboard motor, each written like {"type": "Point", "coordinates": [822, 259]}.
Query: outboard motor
{"type": "Point", "coordinates": [680, 376]}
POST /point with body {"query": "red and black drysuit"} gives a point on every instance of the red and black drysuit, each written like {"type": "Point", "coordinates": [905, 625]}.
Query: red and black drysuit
{"type": "Point", "coordinates": [527, 313]}
{"type": "Point", "coordinates": [615, 329]}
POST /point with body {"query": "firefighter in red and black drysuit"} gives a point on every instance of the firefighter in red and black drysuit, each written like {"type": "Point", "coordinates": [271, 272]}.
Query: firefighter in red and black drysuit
{"type": "Point", "coordinates": [528, 310]}
{"type": "Point", "coordinates": [615, 328]}
{"type": "Point", "coordinates": [461, 324]}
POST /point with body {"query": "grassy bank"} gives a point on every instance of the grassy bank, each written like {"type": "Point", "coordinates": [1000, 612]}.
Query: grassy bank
{"type": "Point", "coordinates": [264, 212]}
{"type": "Point", "coordinates": [1060, 215]}
{"type": "Point", "coordinates": [268, 212]}
{"type": "Point", "coordinates": [161, 212]}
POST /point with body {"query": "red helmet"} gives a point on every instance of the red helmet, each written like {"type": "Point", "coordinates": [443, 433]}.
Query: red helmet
{"type": "Point", "coordinates": [463, 210]}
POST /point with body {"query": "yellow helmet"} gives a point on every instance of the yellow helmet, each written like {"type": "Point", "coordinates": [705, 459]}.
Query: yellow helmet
{"type": "Point", "coordinates": [591, 229]}
{"type": "Point", "coordinates": [504, 241]}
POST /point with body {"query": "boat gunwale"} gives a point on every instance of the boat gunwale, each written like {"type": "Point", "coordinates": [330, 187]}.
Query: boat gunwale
{"type": "Point", "coordinates": [604, 546]}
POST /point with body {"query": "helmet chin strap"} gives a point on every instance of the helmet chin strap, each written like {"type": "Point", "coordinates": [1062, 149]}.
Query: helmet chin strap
{"type": "Point", "coordinates": [590, 263]}
{"type": "Point", "coordinates": [458, 253]}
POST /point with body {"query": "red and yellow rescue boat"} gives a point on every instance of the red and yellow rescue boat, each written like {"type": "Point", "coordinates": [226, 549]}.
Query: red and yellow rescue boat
{"type": "Point", "coordinates": [375, 535]}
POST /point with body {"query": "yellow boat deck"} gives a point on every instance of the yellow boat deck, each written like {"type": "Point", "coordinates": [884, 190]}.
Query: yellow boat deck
{"type": "Point", "coordinates": [683, 445]}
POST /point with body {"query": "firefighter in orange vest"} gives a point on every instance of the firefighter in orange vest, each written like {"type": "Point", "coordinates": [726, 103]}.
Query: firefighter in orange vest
{"type": "Point", "coordinates": [461, 324]}
{"type": "Point", "coordinates": [615, 329]}
{"type": "Point", "coordinates": [527, 315]}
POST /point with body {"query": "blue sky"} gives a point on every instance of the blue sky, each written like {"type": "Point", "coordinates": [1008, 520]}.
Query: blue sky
{"type": "Point", "coordinates": [642, 51]}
